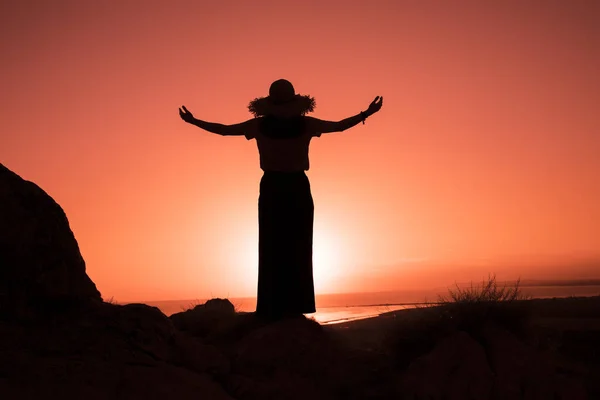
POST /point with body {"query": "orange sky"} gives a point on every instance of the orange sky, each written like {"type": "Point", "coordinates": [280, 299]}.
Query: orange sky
{"type": "Point", "coordinates": [486, 149]}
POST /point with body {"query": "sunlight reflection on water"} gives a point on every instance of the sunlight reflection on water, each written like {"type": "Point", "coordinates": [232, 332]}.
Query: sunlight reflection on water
{"type": "Point", "coordinates": [334, 315]}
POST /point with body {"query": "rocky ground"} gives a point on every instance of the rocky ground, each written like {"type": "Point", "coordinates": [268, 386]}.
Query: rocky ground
{"type": "Point", "coordinates": [59, 340]}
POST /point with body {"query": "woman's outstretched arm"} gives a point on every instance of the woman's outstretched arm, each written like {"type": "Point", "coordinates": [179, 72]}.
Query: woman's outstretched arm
{"type": "Point", "coordinates": [321, 126]}
{"type": "Point", "coordinates": [244, 128]}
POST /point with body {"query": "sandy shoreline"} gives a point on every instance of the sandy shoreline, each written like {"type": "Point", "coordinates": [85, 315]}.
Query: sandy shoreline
{"type": "Point", "coordinates": [557, 314]}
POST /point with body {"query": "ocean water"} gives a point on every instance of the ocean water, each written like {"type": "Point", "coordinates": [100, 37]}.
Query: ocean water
{"type": "Point", "coordinates": [336, 308]}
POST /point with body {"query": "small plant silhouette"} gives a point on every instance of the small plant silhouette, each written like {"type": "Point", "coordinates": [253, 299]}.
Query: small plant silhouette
{"type": "Point", "coordinates": [488, 291]}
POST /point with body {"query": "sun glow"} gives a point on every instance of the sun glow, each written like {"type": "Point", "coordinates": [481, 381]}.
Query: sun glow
{"type": "Point", "coordinates": [241, 255]}
{"type": "Point", "coordinates": [327, 260]}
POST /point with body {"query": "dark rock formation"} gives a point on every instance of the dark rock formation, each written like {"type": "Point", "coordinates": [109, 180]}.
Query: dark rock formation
{"type": "Point", "coordinates": [292, 358]}
{"type": "Point", "coordinates": [456, 368]}
{"type": "Point", "coordinates": [205, 318]}
{"type": "Point", "coordinates": [59, 340]}
{"type": "Point", "coordinates": [523, 372]}
{"type": "Point", "coordinates": [497, 366]}
{"type": "Point", "coordinates": [40, 262]}
{"type": "Point", "coordinates": [107, 352]}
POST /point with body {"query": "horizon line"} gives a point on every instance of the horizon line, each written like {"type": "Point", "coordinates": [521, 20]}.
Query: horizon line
{"type": "Point", "coordinates": [522, 283]}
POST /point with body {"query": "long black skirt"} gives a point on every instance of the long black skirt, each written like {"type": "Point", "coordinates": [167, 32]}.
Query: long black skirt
{"type": "Point", "coordinates": [285, 269]}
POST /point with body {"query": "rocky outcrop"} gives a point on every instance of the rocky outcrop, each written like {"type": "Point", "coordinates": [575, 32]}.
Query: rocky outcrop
{"type": "Point", "coordinates": [293, 359]}
{"type": "Point", "coordinates": [523, 372]}
{"type": "Point", "coordinates": [59, 340]}
{"type": "Point", "coordinates": [456, 368]}
{"type": "Point", "coordinates": [207, 318]}
{"type": "Point", "coordinates": [496, 366]}
{"type": "Point", "coordinates": [40, 262]}
{"type": "Point", "coordinates": [107, 352]}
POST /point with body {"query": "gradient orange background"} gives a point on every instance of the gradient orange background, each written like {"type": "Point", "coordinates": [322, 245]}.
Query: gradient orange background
{"type": "Point", "coordinates": [484, 158]}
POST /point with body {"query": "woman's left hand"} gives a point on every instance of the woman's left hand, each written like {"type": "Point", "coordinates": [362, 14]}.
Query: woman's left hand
{"type": "Point", "coordinates": [375, 105]}
{"type": "Point", "coordinates": [186, 115]}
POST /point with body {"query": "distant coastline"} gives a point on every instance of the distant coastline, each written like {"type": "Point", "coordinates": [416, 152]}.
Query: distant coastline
{"type": "Point", "coordinates": [350, 306]}
{"type": "Point", "coordinates": [522, 283]}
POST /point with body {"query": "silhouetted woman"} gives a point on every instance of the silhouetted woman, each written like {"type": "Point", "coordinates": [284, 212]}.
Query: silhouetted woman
{"type": "Point", "coordinates": [285, 205]}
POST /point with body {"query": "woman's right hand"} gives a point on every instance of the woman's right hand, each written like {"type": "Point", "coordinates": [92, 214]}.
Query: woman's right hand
{"type": "Point", "coordinates": [186, 115]}
{"type": "Point", "coordinates": [375, 105]}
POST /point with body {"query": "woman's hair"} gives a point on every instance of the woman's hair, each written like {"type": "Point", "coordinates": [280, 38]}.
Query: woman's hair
{"type": "Point", "coordinates": [299, 105]}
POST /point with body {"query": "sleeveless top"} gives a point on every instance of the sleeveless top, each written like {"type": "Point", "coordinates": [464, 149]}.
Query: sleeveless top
{"type": "Point", "coordinates": [283, 143]}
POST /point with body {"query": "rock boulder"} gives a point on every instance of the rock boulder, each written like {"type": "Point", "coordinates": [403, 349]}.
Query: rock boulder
{"type": "Point", "coordinates": [40, 261]}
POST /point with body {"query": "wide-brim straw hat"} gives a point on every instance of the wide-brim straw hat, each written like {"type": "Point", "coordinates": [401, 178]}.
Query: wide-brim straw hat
{"type": "Point", "coordinates": [282, 101]}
